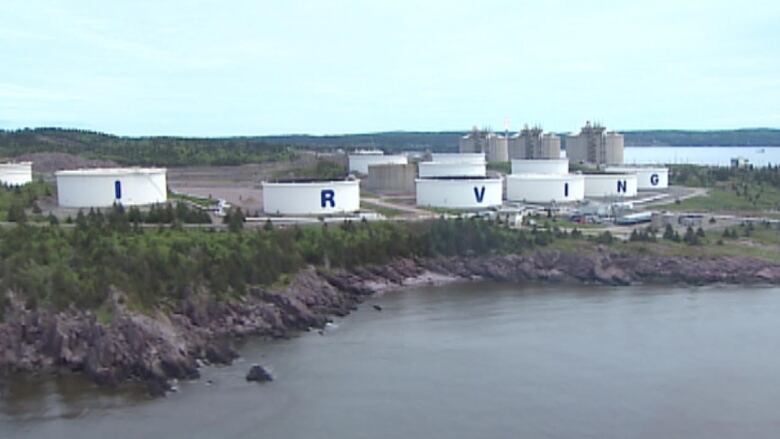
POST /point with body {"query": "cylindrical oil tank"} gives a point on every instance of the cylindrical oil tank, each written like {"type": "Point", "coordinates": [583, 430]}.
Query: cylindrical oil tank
{"type": "Point", "coordinates": [361, 162]}
{"type": "Point", "coordinates": [450, 169]}
{"type": "Point", "coordinates": [15, 174]}
{"type": "Point", "coordinates": [459, 193]}
{"type": "Point", "coordinates": [540, 166]}
{"type": "Point", "coordinates": [610, 184]}
{"type": "Point", "coordinates": [311, 197]}
{"type": "Point", "coordinates": [463, 157]}
{"type": "Point", "coordinates": [648, 177]}
{"type": "Point", "coordinates": [545, 188]}
{"type": "Point", "coordinates": [104, 187]}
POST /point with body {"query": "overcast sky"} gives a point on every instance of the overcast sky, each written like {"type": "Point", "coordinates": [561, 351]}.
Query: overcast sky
{"type": "Point", "coordinates": [207, 68]}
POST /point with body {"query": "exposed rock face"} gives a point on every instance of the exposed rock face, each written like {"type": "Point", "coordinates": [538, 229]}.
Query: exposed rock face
{"type": "Point", "coordinates": [154, 349]}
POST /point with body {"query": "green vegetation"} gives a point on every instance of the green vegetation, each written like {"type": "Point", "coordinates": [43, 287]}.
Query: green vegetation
{"type": "Point", "coordinates": [321, 169]}
{"type": "Point", "coordinates": [388, 212]}
{"type": "Point", "coordinates": [503, 167]}
{"type": "Point", "coordinates": [15, 200]}
{"type": "Point", "coordinates": [200, 201]}
{"type": "Point", "coordinates": [730, 189]}
{"type": "Point", "coordinates": [143, 151]}
{"type": "Point", "coordinates": [180, 151]}
{"type": "Point", "coordinates": [57, 267]}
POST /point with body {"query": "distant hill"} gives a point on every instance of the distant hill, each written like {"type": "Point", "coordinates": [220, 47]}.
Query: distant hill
{"type": "Point", "coordinates": [181, 151]}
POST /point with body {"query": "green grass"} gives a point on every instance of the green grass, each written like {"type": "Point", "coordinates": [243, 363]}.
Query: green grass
{"type": "Point", "coordinates": [725, 199]}
{"type": "Point", "coordinates": [203, 202]}
{"type": "Point", "coordinates": [389, 212]}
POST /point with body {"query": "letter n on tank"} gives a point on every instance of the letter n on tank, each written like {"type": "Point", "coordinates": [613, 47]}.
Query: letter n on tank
{"type": "Point", "coordinates": [327, 196]}
{"type": "Point", "coordinates": [479, 193]}
{"type": "Point", "coordinates": [622, 186]}
{"type": "Point", "coordinates": [118, 190]}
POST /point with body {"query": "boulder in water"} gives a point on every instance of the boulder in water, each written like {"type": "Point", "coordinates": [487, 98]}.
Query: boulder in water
{"type": "Point", "coordinates": [258, 374]}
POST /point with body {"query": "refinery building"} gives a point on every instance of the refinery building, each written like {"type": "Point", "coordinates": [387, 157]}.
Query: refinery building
{"type": "Point", "coordinates": [595, 145]}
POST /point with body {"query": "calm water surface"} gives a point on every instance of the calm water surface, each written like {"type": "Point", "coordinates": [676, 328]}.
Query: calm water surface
{"type": "Point", "coordinates": [711, 155]}
{"type": "Point", "coordinates": [469, 361]}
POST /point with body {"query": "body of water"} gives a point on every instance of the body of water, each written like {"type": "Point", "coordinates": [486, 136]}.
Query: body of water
{"type": "Point", "coordinates": [468, 361]}
{"type": "Point", "coordinates": [712, 155]}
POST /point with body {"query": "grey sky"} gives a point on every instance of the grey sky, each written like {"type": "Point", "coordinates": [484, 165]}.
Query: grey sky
{"type": "Point", "coordinates": [268, 67]}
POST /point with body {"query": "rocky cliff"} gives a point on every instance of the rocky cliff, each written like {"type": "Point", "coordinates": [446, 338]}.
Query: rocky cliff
{"type": "Point", "coordinates": [156, 347]}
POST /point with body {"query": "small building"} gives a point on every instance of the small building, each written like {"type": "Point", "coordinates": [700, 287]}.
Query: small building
{"type": "Point", "coordinates": [391, 178]}
{"type": "Point", "coordinates": [85, 188]}
{"type": "Point", "coordinates": [459, 193]}
{"type": "Point", "coordinates": [311, 197]}
{"type": "Point", "coordinates": [740, 162]}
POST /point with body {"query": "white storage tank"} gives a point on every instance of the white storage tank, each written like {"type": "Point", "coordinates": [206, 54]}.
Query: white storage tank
{"type": "Point", "coordinates": [311, 197]}
{"type": "Point", "coordinates": [104, 187]}
{"type": "Point", "coordinates": [610, 184]}
{"type": "Point", "coordinates": [540, 166]}
{"type": "Point", "coordinates": [451, 169]}
{"type": "Point", "coordinates": [545, 188]}
{"type": "Point", "coordinates": [648, 177]}
{"type": "Point", "coordinates": [15, 174]}
{"type": "Point", "coordinates": [361, 161]}
{"type": "Point", "coordinates": [459, 193]}
{"type": "Point", "coordinates": [461, 157]}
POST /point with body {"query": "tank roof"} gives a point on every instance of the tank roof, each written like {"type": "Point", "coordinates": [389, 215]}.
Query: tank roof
{"type": "Point", "coordinates": [108, 171]}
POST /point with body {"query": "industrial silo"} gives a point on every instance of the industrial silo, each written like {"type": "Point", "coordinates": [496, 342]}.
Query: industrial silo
{"type": "Point", "coordinates": [311, 197]}
{"type": "Point", "coordinates": [105, 187]}
{"type": "Point", "coordinates": [15, 174]}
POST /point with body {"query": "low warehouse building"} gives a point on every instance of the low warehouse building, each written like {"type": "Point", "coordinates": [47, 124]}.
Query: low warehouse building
{"type": "Point", "coordinates": [15, 174]}
{"type": "Point", "coordinates": [361, 161]}
{"type": "Point", "coordinates": [459, 193]}
{"type": "Point", "coordinates": [105, 187]}
{"type": "Point", "coordinates": [391, 178]}
{"type": "Point", "coordinates": [540, 166]}
{"type": "Point", "coordinates": [451, 169]}
{"type": "Point", "coordinates": [648, 178]}
{"type": "Point", "coordinates": [610, 184]}
{"type": "Point", "coordinates": [311, 197]}
{"type": "Point", "coordinates": [545, 188]}
{"type": "Point", "coordinates": [462, 157]}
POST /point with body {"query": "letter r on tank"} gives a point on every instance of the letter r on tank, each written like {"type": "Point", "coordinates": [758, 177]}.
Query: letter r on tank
{"type": "Point", "coordinates": [654, 179]}
{"type": "Point", "coordinates": [622, 186]}
{"type": "Point", "coordinates": [327, 196]}
{"type": "Point", "coordinates": [479, 194]}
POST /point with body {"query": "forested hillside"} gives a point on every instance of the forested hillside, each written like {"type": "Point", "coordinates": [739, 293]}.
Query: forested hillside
{"type": "Point", "coordinates": [183, 151]}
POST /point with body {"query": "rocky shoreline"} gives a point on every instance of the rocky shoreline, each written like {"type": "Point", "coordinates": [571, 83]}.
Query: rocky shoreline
{"type": "Point", "coordinates": [172, 344]}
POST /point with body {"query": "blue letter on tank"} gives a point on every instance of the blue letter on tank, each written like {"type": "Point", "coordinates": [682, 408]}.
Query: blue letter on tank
{"type": "Point", "coordinates": [327, 196]}
{"type": "Point", "coordinates": [622, 186]}
{"type": "Point", "coordinates": [118, 190]}
{"type": "Point", "coordinates": [654, 179]}
{"type": "Point", "coordinates": [479, 194]}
